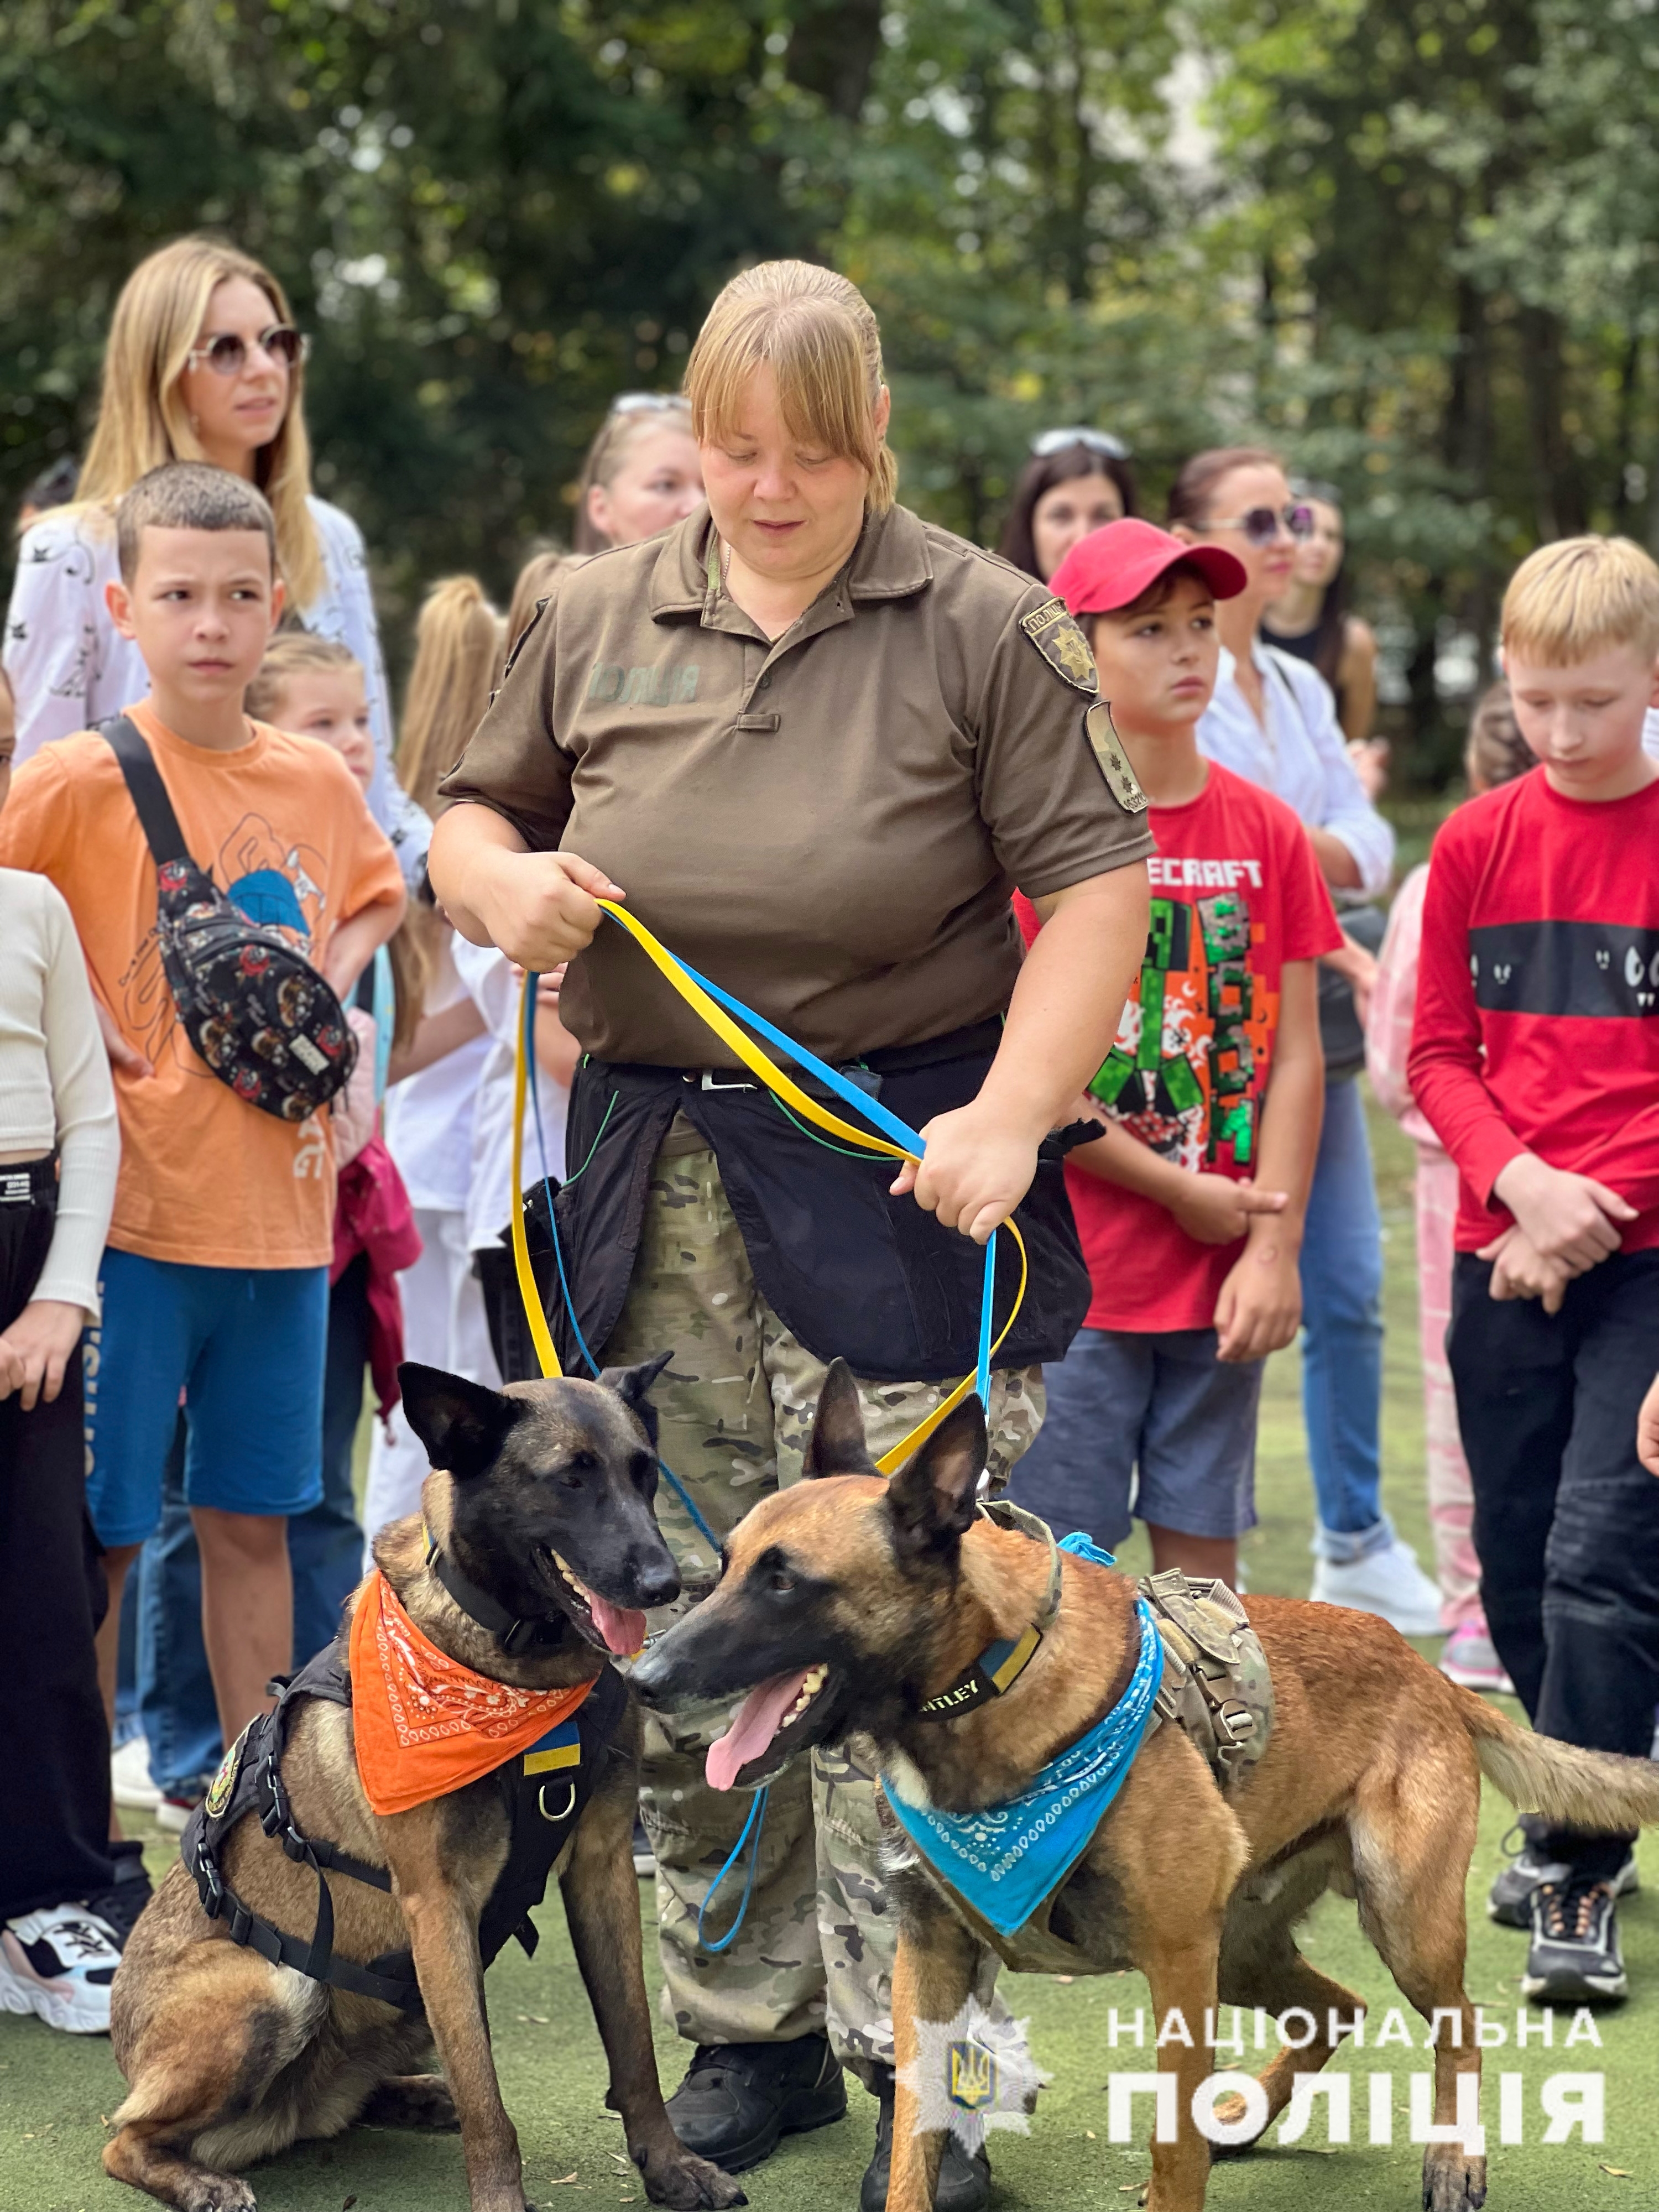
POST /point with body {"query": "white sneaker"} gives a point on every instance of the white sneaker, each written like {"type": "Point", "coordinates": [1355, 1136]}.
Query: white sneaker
{"type": "Point", "coordinates": [59, 1963]}
{"type": "Point", "coordinates": [129, 1777]}
{"type": "Point", "coordinates": [173, 1814]}
{"type": "Point", "coordinates": [1387, 1583]}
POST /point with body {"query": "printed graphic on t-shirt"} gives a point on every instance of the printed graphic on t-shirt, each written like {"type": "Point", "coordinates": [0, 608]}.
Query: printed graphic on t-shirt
{"type": "Point", "coordinates": [275, 883]}
{"type": "Point", "coordinates": [1597, 970]}
{"type": "Point", "coordinates": [1187, 1070]}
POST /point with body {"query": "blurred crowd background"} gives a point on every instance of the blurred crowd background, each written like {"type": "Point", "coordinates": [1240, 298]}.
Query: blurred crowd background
{"type": "Point", "coordinates": [1411, 241]}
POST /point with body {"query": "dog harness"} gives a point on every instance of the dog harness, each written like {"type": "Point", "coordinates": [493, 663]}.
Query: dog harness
{"type": "Point", "coordinates": [1004, 1866]}
{"type": "Point", "coordinates": [544, 1790]}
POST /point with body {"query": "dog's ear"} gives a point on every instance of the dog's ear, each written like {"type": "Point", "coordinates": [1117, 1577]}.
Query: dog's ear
{"type": "Point", "coordinates": [931, 1498]}
{"type": "Point", "coordinates": [632, 1385]}
{"type": "Point", "coordinates": [463, 1424]}
{"type": "Point", "coordinates": [836, 1445]}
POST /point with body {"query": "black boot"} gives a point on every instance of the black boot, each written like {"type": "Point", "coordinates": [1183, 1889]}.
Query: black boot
{"type": "Point", "coordinates": [738, 2098]}
{"type": "Point", "coordinates": [965, 2177]}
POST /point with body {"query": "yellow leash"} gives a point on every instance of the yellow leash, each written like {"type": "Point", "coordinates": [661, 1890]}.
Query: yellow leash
{"type": "Point", "coordinates": [782, 1086]}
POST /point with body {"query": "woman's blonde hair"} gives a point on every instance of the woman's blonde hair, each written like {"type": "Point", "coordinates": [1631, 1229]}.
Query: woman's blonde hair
{"type": "Point", "coordinates": [622, 429]}
{"type": "Point", "coordinates": [458, 659]}
{"type": "Point", "coordinates": [816, 332]}
{"type": "Point", "coordinates": [142, 420]}
{"type": "Point", "coordinates": [291, 653]}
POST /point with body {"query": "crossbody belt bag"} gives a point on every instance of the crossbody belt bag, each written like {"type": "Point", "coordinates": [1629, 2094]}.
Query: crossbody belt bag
{"type": "Point", "coordinates": [263, 1019]}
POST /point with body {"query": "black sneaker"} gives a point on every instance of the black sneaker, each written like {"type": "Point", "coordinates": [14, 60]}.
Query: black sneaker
{"type": "Point", "coordinates": [738, 2098]}
{"type": "Point", "coordinates": [965, 2176]}
{"type": "Point", "coordinates": [120, 1906]}
{"type": "Point", "coordinates": [1574, 1957]}
{"type": "Point", "coordinates": [1509, 1901]}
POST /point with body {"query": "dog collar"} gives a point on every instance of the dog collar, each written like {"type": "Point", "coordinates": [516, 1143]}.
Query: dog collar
{"type": "Point", "coordinates": [1001, 1665]}
{"type": "Point", "coordinates": [515, 1636]}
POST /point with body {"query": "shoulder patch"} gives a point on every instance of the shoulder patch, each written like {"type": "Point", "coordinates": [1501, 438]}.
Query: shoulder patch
{"type": "Point", "coordinates": [1062, 645]}
{"type": "Point", "coordinates": [224, 1781]}
{"type": "Point", "coordinates": [1111, 759]}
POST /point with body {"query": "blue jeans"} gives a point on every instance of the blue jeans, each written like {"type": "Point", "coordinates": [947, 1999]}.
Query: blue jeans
{"type": "Point", "coordinates": [176, 1706]}
{"type": "Point", "coordinates": [1342, 1334]}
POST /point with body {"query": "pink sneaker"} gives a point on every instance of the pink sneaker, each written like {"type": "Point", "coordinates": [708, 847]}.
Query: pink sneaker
{"type": "Point", "coordinates": [1470, 1659]}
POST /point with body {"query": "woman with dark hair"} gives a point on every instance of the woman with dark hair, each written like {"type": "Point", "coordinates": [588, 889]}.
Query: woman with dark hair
{"type": "Point", "coordinates": [1310, 619]}
{"type": "Point", "coordinates": [1271, 719]}
{"type": "Point", "coordinates": [1075, 481]}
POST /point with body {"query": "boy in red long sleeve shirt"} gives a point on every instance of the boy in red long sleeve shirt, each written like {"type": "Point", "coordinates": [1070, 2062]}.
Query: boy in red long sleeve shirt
{"type": "Point", "coordinates": [1535, 1056]}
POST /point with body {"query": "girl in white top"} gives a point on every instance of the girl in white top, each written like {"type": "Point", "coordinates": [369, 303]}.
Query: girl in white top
{"type": "Point", "coordinates": [203, 363]}
{"type": "Point", "coordinates": [59, 1149]}
{"type": "Point", "coordinates": [429, 1114]}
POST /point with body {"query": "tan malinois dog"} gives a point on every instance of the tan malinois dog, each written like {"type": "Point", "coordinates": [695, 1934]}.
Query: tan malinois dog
{"type": "Point", "coordinates": [846, 1601]}
{"type": "Point", "coordinates": [539, 1553]}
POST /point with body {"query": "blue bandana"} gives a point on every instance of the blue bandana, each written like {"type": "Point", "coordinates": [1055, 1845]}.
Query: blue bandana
{"type": "Point", "coordinates": [1005, 1859]}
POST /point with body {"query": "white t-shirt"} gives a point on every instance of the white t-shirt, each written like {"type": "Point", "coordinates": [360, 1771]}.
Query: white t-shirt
{"type": "Point", "coordinates": [429, 1116]}
{"type": "Point", "coordinates": [1301, 756]}
{"type": "Point", "coordinates": [488, 974]}
{"type": "Point", "coordinates": [70, 667]}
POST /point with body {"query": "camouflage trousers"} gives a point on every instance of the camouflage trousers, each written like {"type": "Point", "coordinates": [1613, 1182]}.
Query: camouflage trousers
{"type": "Point", "coordinates": [816, 1945]}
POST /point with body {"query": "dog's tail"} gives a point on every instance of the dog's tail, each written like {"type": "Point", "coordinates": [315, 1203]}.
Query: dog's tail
{"type": "Point", "coordinates": [1537, 1774]}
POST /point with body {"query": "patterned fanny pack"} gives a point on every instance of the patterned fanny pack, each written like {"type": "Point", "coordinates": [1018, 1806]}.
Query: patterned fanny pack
{"type": "Point", "coordinates": [265, 1022]}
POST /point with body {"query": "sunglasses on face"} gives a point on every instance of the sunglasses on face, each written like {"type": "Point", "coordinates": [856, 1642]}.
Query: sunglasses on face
{"type": "Point", "coordinates": [1047, 443]}
{"type": "Point", "coordinates": [1262, 525]}
{"type": "Point", "coordinates": [227, 354]}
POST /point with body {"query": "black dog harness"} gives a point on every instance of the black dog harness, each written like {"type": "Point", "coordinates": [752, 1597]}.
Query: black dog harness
{"type": "Point", "coordinates": [545, 1791]}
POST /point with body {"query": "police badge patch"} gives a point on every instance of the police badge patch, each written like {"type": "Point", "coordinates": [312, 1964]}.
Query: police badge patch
{"type": "Point", "coordinates": [224, 1781]}
{"type": "Point", "coordinates": [1111, 759]}
{"type": "Point", "coordinates": [1062, 645]}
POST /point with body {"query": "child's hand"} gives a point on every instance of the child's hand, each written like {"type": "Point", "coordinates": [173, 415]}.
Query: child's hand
{"type": "Point", "coordinates": [1571, 1218]}
{"type": "Point", "coordinates": [1260, 1308]}
{"type": "Point", "coordinates": [122, 1055]}
{"type": "Point", "coordinates": [36, 1349]}
{"type": "Point", "coordinates": [1647, 1429]}
{"type": "Point", "coordinates": [1519, 1270]}
{"type": "Point", "coordinates": [1213, 1209]}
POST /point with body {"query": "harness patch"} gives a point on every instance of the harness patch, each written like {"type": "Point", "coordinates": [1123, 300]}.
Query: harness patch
{"type": "Point", "coordinates": [559, 1746]}
{"type": "Point", "coordinates": [1063, 645]}
{"type": "Point", "coordinates": [224, 1781]}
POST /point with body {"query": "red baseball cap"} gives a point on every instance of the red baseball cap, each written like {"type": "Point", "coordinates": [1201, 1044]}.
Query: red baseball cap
{"type": "Point", "coordinates": [1112, 566]}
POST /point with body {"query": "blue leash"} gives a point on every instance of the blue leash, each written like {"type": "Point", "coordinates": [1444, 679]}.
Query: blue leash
{"type": "Point", "coordinates": [757, 1820]}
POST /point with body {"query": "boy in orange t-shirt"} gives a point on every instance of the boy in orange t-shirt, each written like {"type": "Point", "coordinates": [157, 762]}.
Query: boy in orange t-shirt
{"type": "Point", "coordinates": [214, 1278]}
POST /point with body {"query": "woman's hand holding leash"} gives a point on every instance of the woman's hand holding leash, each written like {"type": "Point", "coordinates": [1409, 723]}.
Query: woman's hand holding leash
{"type": "Point", "coordinates": [539, 908]}
{"type": "Point", "coordinates": [977, 1168]}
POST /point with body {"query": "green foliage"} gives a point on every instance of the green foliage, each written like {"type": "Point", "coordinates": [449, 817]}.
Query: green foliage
{"type": "Point", "coordinates": [1412, 241]}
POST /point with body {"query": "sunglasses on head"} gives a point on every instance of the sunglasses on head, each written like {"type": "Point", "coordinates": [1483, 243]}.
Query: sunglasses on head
{"type": "Point", "coordinates": [1262, 525]}
{"type": "Point", "coordinates": [1047, 443]}
{"type": "Point", "coordinates": [649, 403]}
{"type": "Point", "coordinates": [227, 354]}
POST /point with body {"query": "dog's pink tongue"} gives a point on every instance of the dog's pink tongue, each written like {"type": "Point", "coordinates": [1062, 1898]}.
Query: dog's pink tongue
{"type": "Point", "coordinates": [621, 1627]}
{"type": "Point", "coordinates": [758, 1720]}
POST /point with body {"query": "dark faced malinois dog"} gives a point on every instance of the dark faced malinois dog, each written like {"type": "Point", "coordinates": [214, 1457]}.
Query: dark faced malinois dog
{"type": "Point", "coordinates": [850, 1600]}
{"type": "Point", "coordinates": [539, 1551]}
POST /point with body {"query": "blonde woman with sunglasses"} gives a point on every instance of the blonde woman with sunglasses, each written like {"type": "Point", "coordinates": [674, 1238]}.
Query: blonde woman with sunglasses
{"type": "Point", "coordinates": [642, 473]}
{"type": "Point", "coordinates": [203, 363]}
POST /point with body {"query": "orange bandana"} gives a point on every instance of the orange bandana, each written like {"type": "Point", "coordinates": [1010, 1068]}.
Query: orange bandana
{"type": "Point", "coordinates": [426, 1725]}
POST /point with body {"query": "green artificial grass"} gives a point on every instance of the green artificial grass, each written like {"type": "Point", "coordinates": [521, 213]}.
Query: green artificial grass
{"type": "Point", "coordinates": [56, 2091]}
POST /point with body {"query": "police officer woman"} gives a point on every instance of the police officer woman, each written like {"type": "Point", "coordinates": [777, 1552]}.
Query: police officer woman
{"type": "Point", "coordinates": [818, 740]}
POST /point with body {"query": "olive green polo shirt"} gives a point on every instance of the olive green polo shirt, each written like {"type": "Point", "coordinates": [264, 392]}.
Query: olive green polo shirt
{"type": "Point", "coordinates": [828, 824]}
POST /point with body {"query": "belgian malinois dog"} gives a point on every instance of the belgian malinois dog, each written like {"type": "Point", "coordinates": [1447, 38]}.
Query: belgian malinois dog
{"type": "Point", "coordinates": [541, 1500]}
{"type": "Point", "coordinates": [847, 1600]}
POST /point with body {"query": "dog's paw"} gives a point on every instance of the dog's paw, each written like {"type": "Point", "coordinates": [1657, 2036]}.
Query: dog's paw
{"type": "Point", "coordinates": [215, 2192]}
{"type": "Point", "coordinates": [1452, 2182]}
{"type": "Point", "coordinates": [687, 2183]}
{"type": "Point", "coordinates": [412, 2101]}
{"type": "Point", "coordinates": [1231, 2109]}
